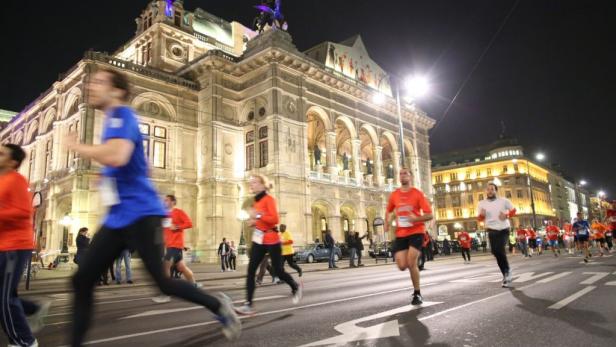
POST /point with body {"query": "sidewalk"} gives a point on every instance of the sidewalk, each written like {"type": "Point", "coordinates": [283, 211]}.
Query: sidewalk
{"type": "Point", "coordinates": [58, 280]}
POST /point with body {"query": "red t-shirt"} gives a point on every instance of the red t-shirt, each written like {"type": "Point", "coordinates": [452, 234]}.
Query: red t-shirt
{"type": "Point", "coordinates": [465, 239]}
{"type": "Point", "coordinates": [521, 234]}
{"type": "Point", "coordinates": [16, 232]}
{"type": "Point", "coordinates": [611, 217]}
{"type": "Point", "coordinates": [175, 238]}
{"type": "Point", "coordinates": [411, 203]}
{"type": "Point", "coordinates": [553, 232]}
{"type": "Point", "coordinates": [532, 234]}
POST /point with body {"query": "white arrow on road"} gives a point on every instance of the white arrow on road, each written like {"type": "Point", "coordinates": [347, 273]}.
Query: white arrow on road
{"type": "Point", "coordinates": [351, 332]}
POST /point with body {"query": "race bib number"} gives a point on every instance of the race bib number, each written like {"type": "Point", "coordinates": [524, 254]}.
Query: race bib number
{"type": "Point", "coordinates": [583, 232]}
{"type": "Point", "coordinates": [257, 236]}
{"type": "Point", "coordinates": [167, 223]}
{"type": "Point", "coordinates": [109, 192]}
{"type": "Point", "coordinates": [404, 222]}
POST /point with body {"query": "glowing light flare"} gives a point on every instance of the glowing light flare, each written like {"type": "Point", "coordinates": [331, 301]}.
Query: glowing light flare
{"type": "Point", "coordinates": [417, 87]}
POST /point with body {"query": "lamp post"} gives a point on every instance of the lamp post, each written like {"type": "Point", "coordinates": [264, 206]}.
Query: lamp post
{"type": "Point", "coordinates": [539, 157]}
{"type": "Point", "coordinates": [66, 221]}
{"type": "Point", "coordinates": [242, 216]}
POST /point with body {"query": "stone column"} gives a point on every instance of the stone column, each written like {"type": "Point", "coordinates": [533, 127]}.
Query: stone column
{"type": "Point", "coordinates": [396, 162]}
{"type": "Point", "coordinates": [331, 152]}
{"type": "Point", "coordinates": [355, 152]}
{"type": "Point", "coordinates": [378, 165]}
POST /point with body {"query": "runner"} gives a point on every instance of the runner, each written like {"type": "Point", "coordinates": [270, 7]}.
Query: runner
{"type": "Point", "coordinates": [265, 239]}
{"type": "Point", "coordinates": [539, 244]}
{"type": "Point", "coordinates": [521, 235]}
{"type": "Point", "coordinates": [134, 218]}
{"type": "Point", "coordinates": [16, 245]}
{"type": "Point", "coordinates": [581, 228]}
{"type": "Point", "coordinates": [610, 221]}
{"type": "Point", "coordinates": [411, 209]}
{"type": "Point", "coordinates": [552, 232]}
{"type": "Point", "coordinates": [287, 249]}
{"type": "Point", "coordinates": [174, 225]}
{"type": "Point", "coordinates": [495, 213]}
{"type": "Point", "coordinates": [532, 240]}
{"type": "Point", "coordinates": [465, 244]}
{"type": "Point", "coordinates": [569, 238]}
{"type": "Point", "coordinates": [598, 231]}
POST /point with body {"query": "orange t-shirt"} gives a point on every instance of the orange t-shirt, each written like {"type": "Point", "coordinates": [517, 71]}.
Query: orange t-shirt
{"type": "Point", "coordinates": [465, 239]}
{"type": "Point", "coordinates": [532, 234]}
{"type": "Point", "coordinates": [521, 234]}
{"type": "Point", "coordinates": [175, 238]}
{"type": "Point", "coordinates": [412, 203]}
{"type": "Point", "coordinates": [599, 230]}
{"type": "Point", "coordinates": [266, 207]}
{"type": "Point", "coordinates": [552, 231]}
{"type": "Point", "coordinates": [16, 232]}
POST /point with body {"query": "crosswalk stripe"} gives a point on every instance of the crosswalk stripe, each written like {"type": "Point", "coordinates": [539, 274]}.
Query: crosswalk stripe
{"type": "Point", "coordinates": [564, 302]}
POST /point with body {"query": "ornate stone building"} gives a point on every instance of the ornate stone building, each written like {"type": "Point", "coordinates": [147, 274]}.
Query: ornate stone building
{"type": "Point", "coordinates": [218, 103]}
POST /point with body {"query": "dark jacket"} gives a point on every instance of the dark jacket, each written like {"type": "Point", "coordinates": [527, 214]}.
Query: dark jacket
{"type": "Point", "coordinates": [227, 249]}
{"type": "Point", "coordinates": [329, 241]}
{"type": "Point", "coordinates": [82, 242]}
{"type": "Point", "coordinates": [360, 244]}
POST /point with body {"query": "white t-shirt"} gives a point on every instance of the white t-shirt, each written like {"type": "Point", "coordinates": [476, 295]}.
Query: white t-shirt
{"type": "Point", "coordinates": [493, 209]}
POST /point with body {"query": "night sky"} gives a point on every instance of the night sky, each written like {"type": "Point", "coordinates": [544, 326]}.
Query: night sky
{"type": "Point", "coordinates": [550, 74]}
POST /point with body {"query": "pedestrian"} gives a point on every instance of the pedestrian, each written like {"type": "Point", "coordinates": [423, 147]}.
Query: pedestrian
{"type": "Point", "coordinates": [82, 241]}
{"type": "Point", "coordinates": [446, 246]}
{"type": "Point", "coordinates": [135, 212]}
{"type": "Point", "coordinates": [352, 244]}
{"type": "Point", "coordinates": [16, 245]}
{"type": "Point", "coordinates": [522, 234]}
{"type": "Point", "coordinates": [232, 256]}
{"type": "Point", "coordinates": [609, 236]}
{"type": "Point", "coordinates": [176, 222]}
{"type": "Point", "coordinates": [495, 213]}
{"type": "Point", "coordinates": [539, 244]}
{"type": "Point", "coordinates": [330, 244]}
{"type": "Point", "coordinates": [108, 272]}
{"type": "Point", "coordinates": [610, 221]}
{"type": "Point", "coordinates": [553, 232]}
{"type": "Point", "coordinates": [465, 245]}
{"type": "Point", "coordinates": [265, 239]}
{"type": "Point", "coordinates": [532, 240]}
{"type": "Point", "coordinates": [288, 253]}
{"type": "Point", "coordinates": [430, 247]}
{"type": "Point", "coordinates": [223, 252]}
{"type": "Point", "coordinates": [360, 247]}
{"type": "Point", "coordinates": [411, 210]}
{"type": "Point", "coordinates": [124, 256]}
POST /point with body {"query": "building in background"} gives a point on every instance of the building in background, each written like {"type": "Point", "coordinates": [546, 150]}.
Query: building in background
{"type": "Point", "coordinates": [5, 117]}
{"type": "Point", "coordinates": [218, 103]}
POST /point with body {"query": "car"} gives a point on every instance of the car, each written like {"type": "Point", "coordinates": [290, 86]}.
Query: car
{"type": "Point", "coordinates": [316, 252]}
{"type": "Point", "coordinates": [345, 251]}
{"type": "Point", "coordinates": [381, 250]}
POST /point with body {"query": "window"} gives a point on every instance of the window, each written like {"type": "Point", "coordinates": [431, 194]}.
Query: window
{"type": "Point", "coordinates": [154, 144]}
{"type": "Point", "coordinates": [48, 153]}
{"type": "Point", "coordinates": [519, 194]}
{"type": "Point", "coordinates": [508, 194]}
{"type": "Point", "coordinates": [467, 175]}
{"type": "Point", "coordinates": [439, 178]}
{"type": "Point", "coordinates": [457, 212]}
{"type": "Point", "coordinates": [177, 18]}
{"type": "Point", "coordinates": [453, 176]}
{"type": "Point", "coordinates": [250, 150]}
{"type": "Point", "coordinates": [515, 167]}
{"type": "Point", "coordinates": [32, 160]}
{"type": "Point", "coordinates": [69, 154]}
{"type": "Point", "coordinates": [455, 201]}
{"type": "Point", "coordinates": [442, 214]}
{"type": "Point", "coordinates": [489, 171]}
{"type": "Point", "coordinates": [478, 173]}
{"type": "Point", "coordinates": [263, 153]}
{"type": "Point", "coordinates": [480, 197]}
{"type": "Point", "coordinates": [470, 199]}
{"type": "Point", "coordinates": [504, 169]}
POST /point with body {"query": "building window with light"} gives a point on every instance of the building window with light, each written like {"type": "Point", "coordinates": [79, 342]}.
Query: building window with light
{"type": "Point", "coordinates": [489, 171]}
{"type": "Point", "coordinates": [457, 212]}
{"type": "Point", "coordinates": [31, 167]}
{"type": "Point", "coordinates": [263, 153]}
{"type": "Point", "coordinates": [508, 194]}
{"type": "Point", "coordinates": [442, 214]}
{"type": "Point", "coordinates": [480, 197]}
{"type": "Point", "coordinates": [470, 199]}
{"type": "Point", "coordinates": [155, 144]}
{"type": "Point", "coordinates": [520, 194]}
{"type": "Point", "coordinates": [48, 153]}
{"type": "Point", "coordinates": [439, 178]}
{"type": "Point", "coordinates": [453, 176]}
{"type": "Point", "coordinates": [250, 150]}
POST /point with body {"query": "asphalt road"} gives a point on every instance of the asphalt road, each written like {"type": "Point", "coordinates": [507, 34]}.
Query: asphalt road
{"type": "Point", "coordinates": [555, 302]}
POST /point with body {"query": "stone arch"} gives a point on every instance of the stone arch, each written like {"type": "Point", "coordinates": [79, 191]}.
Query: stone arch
{"type": "Point", "coordinates": [319, 112]}
{"type": "Point", "coordinates": [388, 147]}
{"type": "Point", "coordinates": [154, 105]}
{"type": "Point", "coordinates": [348, 124]}
{"type": "Point", "coordinates": [409, 153]}
{"type": "Point", "coordinates": [370, 131]}
{"type": "Point", "coordinates": [31, 132]}
{"type": "Point", "coordinates": [71, 106]}
{"type": "Point", "coordinates": [321, 212]}
{"type": "Point", "coordinates": [367, 142]}
{"type": "Point", "coordinates": [348, 217]}
{"type": "Point", "coordinates": [345, 134]}
{"type": "Point", "coordinates": [47, 120]}
{"type": "Point", "coordinates": [18, 138]}
{"type": "Point", "coordinates": [318, 127]}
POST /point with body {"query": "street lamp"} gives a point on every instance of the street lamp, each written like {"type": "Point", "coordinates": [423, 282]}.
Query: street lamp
{"type": "Point", "coordinates": [539, 157]}
{"type": "Point", "coordinates": [583, 183]}
{"type": "Point", "coordinates": [601, 195]}
{"type": "Point", "coordinates": [66, 222]}
{"type": "Point", "coordinates": [242, 216]}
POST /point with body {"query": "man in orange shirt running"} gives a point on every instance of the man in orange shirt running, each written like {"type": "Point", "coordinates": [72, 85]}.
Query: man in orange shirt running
{"type": "Point", "coordinates": [16, 245]}
{"type": "Point", "coordinates": [532, 240]}
{"type": "Point", "coordinates": [411, 209]}
{"type": "Point", "coordinates": [599, 230]}
{"type": "Point", "coordinates": [521, 235]}
{"type": "Point", "coordinates": [465, 244]}
{"type": "Point", "coordinates": [552, 232]}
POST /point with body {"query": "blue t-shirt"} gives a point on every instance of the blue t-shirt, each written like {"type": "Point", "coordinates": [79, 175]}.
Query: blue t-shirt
{"type": "Point", "coordinates": [136, 193]}
{"type": "Point", "coordinates": [581, 228]}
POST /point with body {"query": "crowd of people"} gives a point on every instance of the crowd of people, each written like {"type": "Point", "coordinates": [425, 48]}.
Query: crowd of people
{"type": "Point", "coordinates": [137, 220]}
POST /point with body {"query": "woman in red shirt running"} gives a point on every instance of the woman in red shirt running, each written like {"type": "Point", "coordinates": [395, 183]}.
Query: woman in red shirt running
{"type": "Point", "coordinates": [265, 239]}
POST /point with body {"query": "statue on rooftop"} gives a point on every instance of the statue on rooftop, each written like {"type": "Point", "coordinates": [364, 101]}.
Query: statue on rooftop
{"type": "Point", "coordinates": [271, 14]}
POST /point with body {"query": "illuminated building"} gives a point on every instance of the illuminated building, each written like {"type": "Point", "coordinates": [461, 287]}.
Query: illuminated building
{"type": "Point", "coordinates": [218, 103]}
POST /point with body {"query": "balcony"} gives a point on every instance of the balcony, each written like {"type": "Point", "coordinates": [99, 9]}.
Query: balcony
{"type": "Point", "coordinates": [349, 181]}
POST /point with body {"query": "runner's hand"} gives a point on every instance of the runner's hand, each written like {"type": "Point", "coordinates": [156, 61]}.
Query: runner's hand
{"type": "Point", "coordinates": [502, 215]}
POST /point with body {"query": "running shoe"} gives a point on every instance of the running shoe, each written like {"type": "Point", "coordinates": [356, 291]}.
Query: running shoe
{"type": "Point", "coordinates": [198, 285]}
{"type": "Point", "coordinates": [37, 320]}
{"type": "Point", "coordinates": [417, 299]}
{"type": "Point", "coordinates": [298, 293]}
{"type": "Point", "coordinates": [586, 260]}
{"type": "Point", "coordinates": [161, 299]}
{"type": "Point", "coordinates": [245, 310]}
{"type": "Point", "coordinates": [231, 325]}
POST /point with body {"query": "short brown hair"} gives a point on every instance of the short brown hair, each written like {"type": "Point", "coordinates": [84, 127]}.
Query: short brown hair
{"type": "Point", "coordinates": [120, 81]}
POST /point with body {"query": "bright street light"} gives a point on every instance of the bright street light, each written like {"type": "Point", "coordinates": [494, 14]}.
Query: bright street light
{"type": "Point", "coordinates": [378, 98]}
{"type": "Point", "coordinates": [416, 87]}
{"type": "Point", "coordinates": [66, 221]}
{"type": "Point", "coordinates": [601, 194]}
{"type": "Point", "coordinates": [540, 156]}
{"type": "Point", "coordinates": [583, 183]}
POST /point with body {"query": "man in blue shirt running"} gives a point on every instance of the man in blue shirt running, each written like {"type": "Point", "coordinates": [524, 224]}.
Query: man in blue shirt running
{"type": "Point", "coordinates": [136, 212]}
{"type": "Point", "coordinates": [581, 228]}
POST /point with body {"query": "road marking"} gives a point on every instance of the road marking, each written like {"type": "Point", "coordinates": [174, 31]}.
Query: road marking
{"type": "Point", "coordinates": [529, 276]}
{"type": "Point", "coordinates": [351, 332]}
{"type": "Point", "coordinates": [564, 302]}
{"type": "Point", "coordinates": [555, 277]}
{"type": "Point", "coordinates": [150, 332]}
{"type": "Point", "coordinates": [590, 262]}
{"type": "Point", "coordinates": [182, 309]}
{"type": "Point", "coordinates": [480, 278]}
{"type": "Point", "coordinates": [594, 278]}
